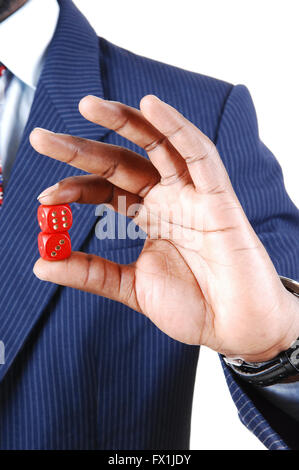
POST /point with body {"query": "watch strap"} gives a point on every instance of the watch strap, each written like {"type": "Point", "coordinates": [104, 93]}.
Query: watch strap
{"type": "Point", "coordinates": [266, 373]}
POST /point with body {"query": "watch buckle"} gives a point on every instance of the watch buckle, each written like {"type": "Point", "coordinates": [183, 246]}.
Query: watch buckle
{"type": "Point", "coordinates": [233, 361]}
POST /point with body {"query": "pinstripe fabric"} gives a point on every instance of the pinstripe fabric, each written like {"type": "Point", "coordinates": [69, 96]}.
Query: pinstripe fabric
{"type": "Point", "coordinates": [83, 372]}
{"type": "Point", "coordinates": [258, 181]}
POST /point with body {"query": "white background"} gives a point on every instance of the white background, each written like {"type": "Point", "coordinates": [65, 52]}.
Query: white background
{"type": "Point", "coordinates": [254, 42]}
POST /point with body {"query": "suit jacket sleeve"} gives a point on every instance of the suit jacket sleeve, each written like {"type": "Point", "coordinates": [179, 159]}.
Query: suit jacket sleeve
{"type": "Point", "coordinates": [257, 178]}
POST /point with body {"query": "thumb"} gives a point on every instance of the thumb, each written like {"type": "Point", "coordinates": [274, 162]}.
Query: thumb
{"type": "Point", "coordinates": [92, 274]}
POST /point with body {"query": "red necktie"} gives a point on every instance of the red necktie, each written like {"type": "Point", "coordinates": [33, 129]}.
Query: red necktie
{"type": "Point", "coordinates": [2, 70]}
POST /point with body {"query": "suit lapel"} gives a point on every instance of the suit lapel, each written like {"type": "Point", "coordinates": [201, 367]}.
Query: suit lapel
{"type": "Point", "coordinates": [71, 71]}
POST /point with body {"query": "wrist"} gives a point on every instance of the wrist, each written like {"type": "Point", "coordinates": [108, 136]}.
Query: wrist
{"type": "Point", "coordinates": [279, 363]}
{"type": "Point", "coordinates": [289, 311]}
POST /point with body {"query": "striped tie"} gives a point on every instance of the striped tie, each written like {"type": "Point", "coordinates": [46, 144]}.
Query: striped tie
{"type": "Point", "coordinates": [2, 87]}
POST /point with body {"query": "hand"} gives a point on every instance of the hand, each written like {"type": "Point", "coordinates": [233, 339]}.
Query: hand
{"type": "Point", "coordinates": [210, 280]}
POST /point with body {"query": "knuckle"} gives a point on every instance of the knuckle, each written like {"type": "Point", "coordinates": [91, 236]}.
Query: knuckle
{"type": "Point", "coordinates": [177, 130]}
{"type": "Point", "coordinates": [155, 144]}
{"type": "Point", "coordinates": [197, 156]}
{"type": "Point", "coordinates": [78, 147]}
{"type": "Point", "coordinates": [175, 178]}
{"type": "Point", "coordinates": [109, 172]}
{"type": "Point", "coordinates": [86, 280]}
{"type": "Point", "coordinates": [120, 121]}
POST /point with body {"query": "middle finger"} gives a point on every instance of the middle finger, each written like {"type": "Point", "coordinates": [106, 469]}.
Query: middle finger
{"type": "Point", "coordinates": [130, 123]}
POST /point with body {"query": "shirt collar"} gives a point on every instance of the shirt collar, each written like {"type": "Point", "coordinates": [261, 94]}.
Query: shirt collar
{"type": "Point", "coordinates": [21, 49]}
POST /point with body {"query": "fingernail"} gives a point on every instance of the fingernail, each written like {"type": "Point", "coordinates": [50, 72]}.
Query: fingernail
{"type": "Point", "coordinates": [47, 131]}
{"type": "Point", "coordinates": [48, 191]}
{"type": "Point", "coordinates": [155, 97]}
{"type": "Point", "coordinates": [91, 97]}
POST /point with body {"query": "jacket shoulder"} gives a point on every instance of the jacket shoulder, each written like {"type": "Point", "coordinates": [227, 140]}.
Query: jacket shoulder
{"type": "Point", "coordinates": [130, 76]}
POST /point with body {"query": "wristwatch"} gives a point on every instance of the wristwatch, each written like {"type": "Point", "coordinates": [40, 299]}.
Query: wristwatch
{"type": "Point", "coordinates": [286, 364]}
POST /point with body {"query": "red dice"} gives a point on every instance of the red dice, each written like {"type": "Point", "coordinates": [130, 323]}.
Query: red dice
{"type": "Point", "coordinates": [53, 219]}
{"type": "Point", "coordinates": [54, 242]}
{"type": "Point", "coordinates": [54, 246]}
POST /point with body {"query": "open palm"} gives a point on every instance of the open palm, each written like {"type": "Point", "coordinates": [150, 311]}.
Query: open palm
{"type": "Point", "coordinates": [203, 272]}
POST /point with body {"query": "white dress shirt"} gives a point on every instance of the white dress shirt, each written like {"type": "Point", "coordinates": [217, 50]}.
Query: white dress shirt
{"type": "Point", "coordinates": [22, 51]}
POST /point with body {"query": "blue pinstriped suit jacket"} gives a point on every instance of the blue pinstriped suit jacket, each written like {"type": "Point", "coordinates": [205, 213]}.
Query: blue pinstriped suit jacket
{"type": "Point", "coordinates": [83, 372]}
